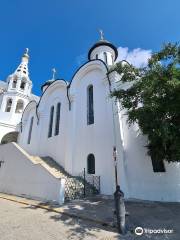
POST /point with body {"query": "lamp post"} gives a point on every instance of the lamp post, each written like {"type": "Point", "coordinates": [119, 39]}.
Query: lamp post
{"type": "Point", "coordinates": [120, 210]}
{"type": "Point", "coordinates": [115, 164]}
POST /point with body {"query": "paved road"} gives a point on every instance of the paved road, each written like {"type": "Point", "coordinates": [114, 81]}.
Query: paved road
{"type": "Point", "coordinates": [20, 222]}
{"type": "Point", "coordinates": [24, 222]}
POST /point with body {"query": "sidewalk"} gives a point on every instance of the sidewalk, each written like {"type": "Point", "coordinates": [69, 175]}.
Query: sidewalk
{"type": "Point", "coordinates": [145, 214]}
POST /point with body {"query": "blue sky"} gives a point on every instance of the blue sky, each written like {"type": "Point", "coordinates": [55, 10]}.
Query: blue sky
{"type": "Point", "coordinates": [59, 33]}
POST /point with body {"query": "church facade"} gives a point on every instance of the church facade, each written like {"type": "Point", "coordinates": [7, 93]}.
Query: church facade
{"type": "Point", "coordinates": [79, 125]}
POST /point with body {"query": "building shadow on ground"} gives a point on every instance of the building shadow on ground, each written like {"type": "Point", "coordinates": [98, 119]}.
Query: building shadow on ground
{"type": "Point", "coordinates": [80, 224]}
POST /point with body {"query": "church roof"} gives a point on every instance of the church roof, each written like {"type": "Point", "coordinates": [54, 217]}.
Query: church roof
{"type": "Point", "coordinates": [47, 83]}
{"type": "Point", "coordinates": [23, 67]}
{"type": "Point", "coordinates": [103, 42]}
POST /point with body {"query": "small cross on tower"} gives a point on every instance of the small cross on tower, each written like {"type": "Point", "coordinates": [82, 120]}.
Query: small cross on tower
{"type": "Point", "coordinates": [101, 34]}
{"type": "Point", "coordinates": [27, 51]}
{"type": "Point", "coordinates": [54, 73]}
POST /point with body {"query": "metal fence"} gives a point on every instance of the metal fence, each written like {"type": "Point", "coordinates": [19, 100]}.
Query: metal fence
{"type": "Point", "coordinates": [91, 183]}
{"type": "Point", "coordinates": [83, 185]}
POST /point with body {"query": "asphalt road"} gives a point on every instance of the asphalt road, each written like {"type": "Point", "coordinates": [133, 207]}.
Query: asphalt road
{"type": "Point", "coordinates": [20, 222]}
{"type": "Point", "coordinates": [25, 222]}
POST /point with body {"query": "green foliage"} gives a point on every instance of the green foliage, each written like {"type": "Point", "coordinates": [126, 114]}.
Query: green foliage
{"type": "Point", "coordinates": [153, 101]}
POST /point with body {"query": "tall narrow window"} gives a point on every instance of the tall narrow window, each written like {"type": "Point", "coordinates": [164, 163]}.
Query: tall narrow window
{"type": "Point", "coordinates": [8, 105]}
{"type": "Point", "coordinates": [91, 164]}
{"type": "Point", "coordinates": [51, 122]}
{"type": "Point", "coordinates": [105, 57]}
{"type": "Point", "coordinates": [19, 106]}
{"type": "Point", "coordinates": [14, 83]}
{"type": "Point", "coordinates": [30, 130]}
{"type": "Point", "coordinates": [90, 105]}
{"type": "Point", "coordinates": [112, 58]}
{"type": "Point", "coordinates": [96, 56]}
{"type": "Point", "coordinates": [58, 109]}
{"type": "Point", "coordinates": [23, 84]}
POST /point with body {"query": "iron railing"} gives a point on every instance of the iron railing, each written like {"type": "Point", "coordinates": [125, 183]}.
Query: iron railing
{"type": "Point", "coordinates": [83, 185]}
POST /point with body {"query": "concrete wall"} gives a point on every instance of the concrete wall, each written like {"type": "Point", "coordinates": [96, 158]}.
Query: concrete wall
{"type": "Point", "coordinates": [20, 176]}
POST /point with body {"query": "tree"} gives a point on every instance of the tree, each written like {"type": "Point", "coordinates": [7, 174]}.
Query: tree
{"type": "Point", "coordinates": [153, 101]}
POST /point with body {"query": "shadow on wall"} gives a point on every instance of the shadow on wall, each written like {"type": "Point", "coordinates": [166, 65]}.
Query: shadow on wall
{"type": "Point", "coordinates": [10, 137]}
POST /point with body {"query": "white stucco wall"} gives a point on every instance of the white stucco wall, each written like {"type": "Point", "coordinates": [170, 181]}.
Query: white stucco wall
{"type": "Point", "coordinates": [76, 139]}
{"type": "Point", "coordinates": [40, 143]}
{"type": "Point", "coordinates": [20, 176]}
{"type": "Point", "coordinates": [138, 180]}
{"type": "Point", "coordinates": [99, 53]}
{"type": "Point", "coordinates": [96, 138]}
{"type": "Point", "coordinates": [143, 183]}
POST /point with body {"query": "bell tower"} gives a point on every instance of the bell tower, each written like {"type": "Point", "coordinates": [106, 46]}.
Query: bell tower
{"type": "Point", "coordinates": [19, 81]}
{"type": "Point", "coordinates": [18, 92]}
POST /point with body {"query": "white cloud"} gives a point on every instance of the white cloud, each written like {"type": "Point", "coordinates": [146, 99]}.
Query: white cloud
{"type": "Point", "coordinates": [137, 57]}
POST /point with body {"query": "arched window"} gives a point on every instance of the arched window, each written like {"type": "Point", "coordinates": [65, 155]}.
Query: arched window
{"type": "Point", "coordinates": [14, 83]}
{"type": "Point", "coordinates": [91, 164]}
{"type": "Point", "coordinates": [51, 122]}
{"type": "Point", "coordinates": [19, 106]}
{"type": "Point", "coordinates": [30, 130]}
{"type": "Point", "coordinates": [90, 105]}
{"type": "Point", "coordinates": [23, 84]}
{"type": "Point", "coordinates": [105, 57]}
{"type": "Point", "coordinates": [8, 105]}
{"type": "Point", "coordinates": [58, 109]}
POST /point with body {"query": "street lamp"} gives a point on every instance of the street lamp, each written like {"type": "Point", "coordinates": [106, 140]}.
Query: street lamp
{"type": "Point", "coordinates": [115, 164]}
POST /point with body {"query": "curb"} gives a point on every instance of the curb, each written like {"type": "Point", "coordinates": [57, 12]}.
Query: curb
{"type": "Point", "coordinates": [52, 209]}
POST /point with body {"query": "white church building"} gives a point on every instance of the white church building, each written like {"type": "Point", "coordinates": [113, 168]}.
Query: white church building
{"type": "Point", "coordinates": [77, 124]}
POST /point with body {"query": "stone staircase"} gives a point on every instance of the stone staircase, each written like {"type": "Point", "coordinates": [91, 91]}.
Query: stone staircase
{"type": "Point", "coordinates": [74, 186]}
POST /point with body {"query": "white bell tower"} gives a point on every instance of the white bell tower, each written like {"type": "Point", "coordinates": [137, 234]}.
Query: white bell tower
{"type": "Point", "coordinates": [19, 81]}
{"type": "Point", "coordinates": [14, 97]}
{"type": "Point", "coordinates": [18, 92]}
